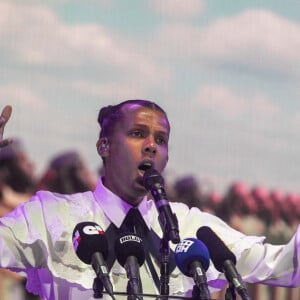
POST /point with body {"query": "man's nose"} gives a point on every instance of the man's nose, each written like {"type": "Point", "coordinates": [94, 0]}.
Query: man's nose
{"type": "Point", "coordinates": [149, 146]}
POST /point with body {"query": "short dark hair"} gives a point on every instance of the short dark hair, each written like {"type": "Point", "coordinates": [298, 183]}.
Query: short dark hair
{"type": "Point", "coordinates": [11, 174]}
{"type": "Point", "coordinates": [109, 115]}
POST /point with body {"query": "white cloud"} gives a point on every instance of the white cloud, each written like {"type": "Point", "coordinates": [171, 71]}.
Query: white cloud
{"type": "Point", "coordinates": [223, 101]}
{"type": "Point", "coordinates": [117, 90]}
{"type": "Point", "coordinates": [102, 3]}
{"type": "Point", "coordinates": [21, 95]}
{"type": "Point", "coordinates": [256, 39]}
{"type": "Point", "coordinates": [35, 35]}
{"type": "Point", "coordinates": [177, 8]}
{"type": "Point", "coordinates": [251, 35]}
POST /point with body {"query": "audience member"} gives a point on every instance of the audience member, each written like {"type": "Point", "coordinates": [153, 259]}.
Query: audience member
{"type": "Point", "coordinates": [17, 185]}
{"type": "Point", "coordinates": [67, 173]}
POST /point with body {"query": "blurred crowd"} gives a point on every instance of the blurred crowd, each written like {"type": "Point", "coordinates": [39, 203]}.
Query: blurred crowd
{"type": "Point", "coordinates": [66, 173]}
{"type": "Point", "coordinates": [251, 210]}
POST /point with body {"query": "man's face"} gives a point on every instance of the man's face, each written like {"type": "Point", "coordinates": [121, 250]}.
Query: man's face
{"type": "Point", "coordinates": [140, 139]}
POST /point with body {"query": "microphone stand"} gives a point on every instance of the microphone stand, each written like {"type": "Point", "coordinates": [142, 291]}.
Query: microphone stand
{"type": "Point", "coordinates": [170, 233]}
{"type": "Point", "coordinates": [131, 295]}
{"type": "Point", "coordinates": [198, 294]}
{"type": "Point", "coordinates": [98, 288]}
{"type": "Point", "coordinates": [230, 292]}
{"type": "Point", "coordinates": [164, 266]}
{"type": "Point", "coordinates": [201, 292]}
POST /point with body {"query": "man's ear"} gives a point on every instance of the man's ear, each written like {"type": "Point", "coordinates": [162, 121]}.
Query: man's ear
{"type": "Point", "coordinates": [103, 147]}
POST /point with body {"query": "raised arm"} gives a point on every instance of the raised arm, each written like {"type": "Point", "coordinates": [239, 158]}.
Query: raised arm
{"type": "Point", "coordinates": [5, 115]}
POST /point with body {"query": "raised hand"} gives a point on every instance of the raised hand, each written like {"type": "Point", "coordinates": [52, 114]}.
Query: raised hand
{"type": "Point", "coordinates": [5, 115]}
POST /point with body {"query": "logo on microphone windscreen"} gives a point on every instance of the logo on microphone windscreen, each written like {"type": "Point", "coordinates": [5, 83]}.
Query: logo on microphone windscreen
{"type": "Point", "coordinates": [86, 230]}
{"type": "Point", "coordinates": [184, 246]}
{"type": "Point", "coordinates": [188, 251]}
{"type": "Point", "coordinates": [130, 238]}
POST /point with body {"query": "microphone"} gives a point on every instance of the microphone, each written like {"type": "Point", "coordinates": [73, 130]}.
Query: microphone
{"type": "Point", "coordinates": [192, 259]}
{"type": "Point", "coordinates": [91, 247]}
{"type": "Point", "coordinates": [130, 254]}
{"type": "Point", "coordinates": [223, 259]}
{"type": "Point", "coordinates": [154, 183]}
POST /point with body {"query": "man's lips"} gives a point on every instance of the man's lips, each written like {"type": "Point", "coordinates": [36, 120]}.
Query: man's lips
{"type": "Point", "coordinates": [142, 167]}
{"type": "Point", "coordinates": [145, 165]}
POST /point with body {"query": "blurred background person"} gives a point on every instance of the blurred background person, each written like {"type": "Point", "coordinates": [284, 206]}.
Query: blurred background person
{"type": "Point", "coordinates": [67, 173]}
{"type": "Point", "coordinates": [212, 202]}
{"type": "Point", "coordinates": [187, 190]}
{"type": "Point", "coordinates": [239, 209]}
{"type": "Point", "coordinates": [16, 176]}
{"type": "Point", "coordinates": [265, 205]}
{"type": "Point", "coordinates": [280, 229]}
{"type": "Point", "coordinates": [17, 185]}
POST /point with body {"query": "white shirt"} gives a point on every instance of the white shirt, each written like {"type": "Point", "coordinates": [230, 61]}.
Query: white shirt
{"type": "Point", "coordinates": [36, 238]}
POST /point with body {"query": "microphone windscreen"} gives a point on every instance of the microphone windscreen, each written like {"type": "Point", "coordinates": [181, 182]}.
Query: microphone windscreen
{"type": "Point", "coordinates": [218, 250]}
{"type": "Point", "coordinates": [129, 244]}
{"type": "Point", "coordinates": [151, 178]}
{"type": "Point", "coordinates": [88, 238]}
{"type": "Point", "coordinates": [190, 250]}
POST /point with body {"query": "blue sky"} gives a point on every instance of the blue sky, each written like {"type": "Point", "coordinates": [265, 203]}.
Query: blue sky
{"type": "Point", "coordinates": [227, 73]}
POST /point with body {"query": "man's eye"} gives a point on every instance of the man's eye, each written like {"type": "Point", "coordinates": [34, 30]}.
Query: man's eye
{"type": "Point", "coordinates": [161, 140]}
{"type": "Point", "coordinates": [136, 133]}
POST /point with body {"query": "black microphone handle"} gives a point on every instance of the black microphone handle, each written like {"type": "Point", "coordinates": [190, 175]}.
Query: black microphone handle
{"type": "Point", "coordinates": [154, 183]}
{"type": "Point", "coordinates": [199, 276]}
{"type": "Point", "coordinates": [223, 259]}
{"type": "Point", "coordinates": [100, 269]}
{"type": "Point", "coordinates": [133, 274]}
{"type": "Point", "coordinates": [98, 288]}
{"type": "Point", "coordinates": [234, 277]}
{"type": "Point", "coordinates": [167, 218]}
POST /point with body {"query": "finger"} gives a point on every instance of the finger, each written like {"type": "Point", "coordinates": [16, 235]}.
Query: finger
{"type": "Point", "coordinates": [5, 115]}
{"type": "Point", "coordinates": [5, 142]}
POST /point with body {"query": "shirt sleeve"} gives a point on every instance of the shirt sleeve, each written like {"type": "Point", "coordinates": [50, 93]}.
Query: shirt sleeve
{"type": "Point", "coordinates": [272, 264]}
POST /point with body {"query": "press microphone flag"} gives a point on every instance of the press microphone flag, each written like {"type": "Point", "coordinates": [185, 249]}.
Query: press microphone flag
{"type": "Point", "coordinates": [154, 183]}
{"type": "Point", "coordinates": [192, 259]}
{"type": "Point", "coordinates": [91, 247]}
{"type": "Point", "coordinates": [223, 259]}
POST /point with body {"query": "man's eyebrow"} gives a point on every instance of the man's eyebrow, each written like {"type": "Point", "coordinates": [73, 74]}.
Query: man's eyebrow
{"type": "Point", "coordinates": [143, 126]}
{"type": "Point", "coordinates": [139, 125]}
{"type": "Point", "coordinates": [166, 132]}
